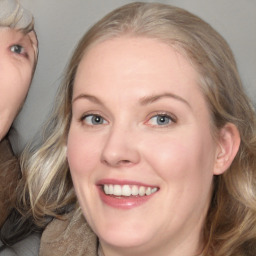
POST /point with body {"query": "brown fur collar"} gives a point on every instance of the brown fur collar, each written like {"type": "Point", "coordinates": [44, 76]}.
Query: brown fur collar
{"type": "Point", "coordinates": [69, 237]}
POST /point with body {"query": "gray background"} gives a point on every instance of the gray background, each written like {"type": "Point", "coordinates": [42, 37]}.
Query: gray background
{"type": "Point", "coordinates": [61, 23]}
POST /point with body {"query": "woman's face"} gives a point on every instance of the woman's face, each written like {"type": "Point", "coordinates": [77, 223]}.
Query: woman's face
{"type": "Point", "coordinates": [17, 59]}
{"type": "Point", "coordinates": [140, 148]}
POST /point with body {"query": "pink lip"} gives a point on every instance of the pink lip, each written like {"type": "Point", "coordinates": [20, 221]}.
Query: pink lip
{"type": "Point", "coordinates": [124, 203]}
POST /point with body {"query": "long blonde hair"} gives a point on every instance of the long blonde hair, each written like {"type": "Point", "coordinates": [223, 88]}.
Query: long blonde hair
{"type": "Point", "coordinates": [230, 226]}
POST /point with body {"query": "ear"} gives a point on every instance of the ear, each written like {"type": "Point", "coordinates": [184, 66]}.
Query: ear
{"type": "Point", "coordinates": [227, 148]}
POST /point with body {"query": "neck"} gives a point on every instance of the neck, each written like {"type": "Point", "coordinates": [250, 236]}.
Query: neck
{"type": "Point", "coordinates": [177, 250]}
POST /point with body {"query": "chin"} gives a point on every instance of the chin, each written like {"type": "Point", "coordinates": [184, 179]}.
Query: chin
{"type": "Point", "coordinates": [124, 235]}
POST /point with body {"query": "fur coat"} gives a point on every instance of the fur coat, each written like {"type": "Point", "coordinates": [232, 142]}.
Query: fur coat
{"type": "Point", "coordinates": [69, 237]}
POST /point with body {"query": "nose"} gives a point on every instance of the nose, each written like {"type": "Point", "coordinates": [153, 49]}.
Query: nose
{"type": "Point", "coordinates": [120, 149]}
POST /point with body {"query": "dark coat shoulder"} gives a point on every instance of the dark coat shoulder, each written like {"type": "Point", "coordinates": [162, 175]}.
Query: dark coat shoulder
{"type": "Point", "coordinates": [9, 176]}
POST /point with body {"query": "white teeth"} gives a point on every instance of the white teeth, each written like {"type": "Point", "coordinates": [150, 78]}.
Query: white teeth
{"type": "Point", "coordinates": [135, 190]}
{"type": "Point", "coordinates": [148, 191]}
{"type": "Point", "coordinates": [142, 191]}
{"type": "Point", "coordinates": [128, 190]}
{"type": "Point", "coordinates": [106, 190]}
{"type": "Point", "coordinates": [110, 189]}
{"type": "Point", "coordinates": [117, 190]}
{"type": "Point", "coordinates": [153, 190]}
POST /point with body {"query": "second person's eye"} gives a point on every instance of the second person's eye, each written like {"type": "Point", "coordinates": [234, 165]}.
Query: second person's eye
{"type": "Point", "coordinates": [17, 49]}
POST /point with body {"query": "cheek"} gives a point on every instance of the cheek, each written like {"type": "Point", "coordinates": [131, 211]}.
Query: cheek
{"type": "Point", "coordinates": [82, 153]}
{"type": "Point", "coordinates": [25, 80]}
{"type": "Point", "coordinates": [82, 156]}
{"type": "Point", "coordinates": [15, 84]}
{"type": "Point", "coordinates": [184, 157]}
{"type": "Point", "coordinates": [185, 166]}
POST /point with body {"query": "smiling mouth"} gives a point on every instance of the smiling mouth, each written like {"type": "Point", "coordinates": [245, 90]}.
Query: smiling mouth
{"type": "Point", "coordinates": [128, 190]}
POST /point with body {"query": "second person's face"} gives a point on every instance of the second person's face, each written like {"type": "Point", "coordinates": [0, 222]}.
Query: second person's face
{"type": "Point", "coordinates": [140, 148]}
{"type": "Point", "coordinates": [17, 60]}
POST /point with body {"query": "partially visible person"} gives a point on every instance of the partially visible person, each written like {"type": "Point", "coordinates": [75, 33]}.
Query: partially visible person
{"type": "Point", "coordinates": [151, 147]}
{"type": "Point", "coordinates": [18, 58]}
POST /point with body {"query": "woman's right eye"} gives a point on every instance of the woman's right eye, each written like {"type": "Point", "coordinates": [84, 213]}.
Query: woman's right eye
{"type": "Point", "coordinates": [93, 119]}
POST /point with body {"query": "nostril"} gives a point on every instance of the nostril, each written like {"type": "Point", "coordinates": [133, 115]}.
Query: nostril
{"type": "Point", "coordinates": [118, 163]}
{"type": "Point", "coordinates": [124, 163]}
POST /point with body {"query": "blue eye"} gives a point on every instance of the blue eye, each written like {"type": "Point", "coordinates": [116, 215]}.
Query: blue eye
{"type": "Point", "coordinates": [17, 49]}
{"type": "Point", "coordinates": [161, 120]}
{"type": "Point", "coordinates": [94, 120]}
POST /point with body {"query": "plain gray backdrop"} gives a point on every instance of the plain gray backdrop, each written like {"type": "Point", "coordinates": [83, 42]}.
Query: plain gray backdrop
{"type": "Point", "coordinates": [61, 23]}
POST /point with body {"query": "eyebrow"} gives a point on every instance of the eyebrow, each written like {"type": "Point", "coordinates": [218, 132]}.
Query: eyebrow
{"type": "Point", "coordinates": [143, 101]}
{"type": "Point", "coordinates": [88, 97]}
{"type": "Point", "coordinates": [153, 98]}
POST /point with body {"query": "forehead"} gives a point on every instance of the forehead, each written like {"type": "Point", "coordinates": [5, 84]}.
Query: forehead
{"type": "Point", "coordinates": [8, 34]}
{"type": "Point", "coordinates": [134, 59]}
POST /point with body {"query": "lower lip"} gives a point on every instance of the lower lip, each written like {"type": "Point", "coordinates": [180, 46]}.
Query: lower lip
{"type": "Point", "coordinates": [123, 202]}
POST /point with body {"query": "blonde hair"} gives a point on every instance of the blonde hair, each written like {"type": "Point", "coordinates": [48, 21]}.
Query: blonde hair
{"type": "Point", "coordinates": [13, 15]}
{"type": "Point", "coordinates": [230, 226]}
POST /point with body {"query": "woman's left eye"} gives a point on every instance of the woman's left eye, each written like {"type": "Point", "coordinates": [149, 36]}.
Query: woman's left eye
{"type": "Point", "coordinates": [161, 120]}
{"type": "Point", "coordinates": [17, 49]}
